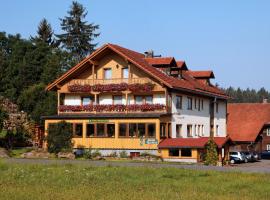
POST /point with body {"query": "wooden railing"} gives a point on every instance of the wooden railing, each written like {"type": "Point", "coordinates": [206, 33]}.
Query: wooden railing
{"type": "Point", "coordinates": [110, 81]}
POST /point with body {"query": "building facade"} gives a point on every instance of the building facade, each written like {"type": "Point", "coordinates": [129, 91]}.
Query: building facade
{"type": "Point", "coordinates": [121, 100]}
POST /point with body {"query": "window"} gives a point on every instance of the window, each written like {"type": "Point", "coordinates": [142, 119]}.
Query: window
{"type": "Point", "coordinates": [162, 130]}
{"type": "Point", "coordinates": [189, 107]}
{"type": "Point", "coordinates": [90, 130]}
{"type": "Point", "coordinates": [151, 129]}
{"type": "Point", "coordinates": [268, 147]}
{"type": "Point", "coordinates": [117, 100]}
{"type": "Point", "coordinates": [125, 72]}
{"type": "Point", "coordinates": [169, 130]}
{"type": "Point", "coordinates": [100, 130]}
{"type": "Point", "coordinates": [195, 103]}
{"type": "Point", "coordinates": [178, 130]}
{"type": "Point", "coordinates": [141, 130]}
{"type": "Point", "coordinates": [78, 130]}
{"type": "Point", "coordinates": [199, 130]}
{"type": "Point", "coordinates": [87, 100]}
{"type": "Point", "coordinates": [178, 102]}
{"type": "Point", "coordinates": [202, 104]}
{"type": "Point", "coordinates": [268, 131]}
{"type": "Point", "coordinates": [108, 73]}
{"type": "Point", "coordinates": [122, 130]}
{"type": "Point", "coordinates": [202, 131]}
{"type": "Point", "coordinates": [217, 130]}
{"type": "Point", "coordinates": [189, 130]}
{"type": "Point", "coordinates": [138, 100]}
{"type": "Point", "coordinates": [110, 130]}
{"type": "Point", "coordinates": [174, 152]}
{"type": "Point", "coordinates": [216, 107]}
{"type": "Point", "coordinates": [132, 130]}
{"type": "Point", "coordinates": [149, 99]}
{"type": "Point", "coordinates": [186, 153]}
{"type": "Point", "coordinates": [195, 130]}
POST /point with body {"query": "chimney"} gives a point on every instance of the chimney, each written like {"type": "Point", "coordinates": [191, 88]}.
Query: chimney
{"type": "Point", "coordinates": [149, 54]}
{"type": "Point", "coordinates": [265, 100]}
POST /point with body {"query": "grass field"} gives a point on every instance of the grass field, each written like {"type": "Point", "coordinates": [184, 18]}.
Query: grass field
{"type": "Point", "coordinates": [29, 181]}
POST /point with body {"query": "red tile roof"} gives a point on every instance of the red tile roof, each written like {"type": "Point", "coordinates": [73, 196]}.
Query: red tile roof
{"type": "Point", "coordinates": [246, 120]}
{"type": "Point", "coordinates": [188, 82]}
{"type": "Point", "coordinates": [201, 74]}
{"type": "Point", "coordinates": [182, 65]}
{"type": "Point", "coordinates": [160, 61]}
{"type": "Point", "coordinates": [191, 142]}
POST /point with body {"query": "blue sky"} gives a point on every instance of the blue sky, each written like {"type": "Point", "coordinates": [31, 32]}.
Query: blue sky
{"type": "Point", "coordinates": [232, 38]}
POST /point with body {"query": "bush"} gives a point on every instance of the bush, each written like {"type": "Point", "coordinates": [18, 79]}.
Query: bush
{"type": "Point", "coordinates": [96, 153]}
{"type": "Point", "coordinates": [123, 154]}
{"type": "Point", "coordinates": [59, 137]}
{"type": "Point", "coordinates": [87, 153]}
{"type": "Point", "coordinates": [211, 157]}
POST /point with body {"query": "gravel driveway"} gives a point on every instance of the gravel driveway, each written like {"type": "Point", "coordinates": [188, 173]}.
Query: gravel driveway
{"type": "Point", "coordinates": [259, 167]}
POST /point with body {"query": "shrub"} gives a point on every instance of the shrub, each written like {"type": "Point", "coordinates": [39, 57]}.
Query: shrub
{"type": "Point", "coordinates": [87, 153]}
{"type": "Point", "coordinates": [113, 154]}
{"type": "Point", "coordinates": [96, 153]}
{"type": "Point", "coordinates": [211, 157]}
{"type": "Point", "coordinates": [59, 137]}
{"type": "Point", "coordinates": [123, 154]}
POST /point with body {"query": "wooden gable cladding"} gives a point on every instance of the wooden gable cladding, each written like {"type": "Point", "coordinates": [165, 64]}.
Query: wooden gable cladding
{"type": "Point", "coordinates": [116, 63]}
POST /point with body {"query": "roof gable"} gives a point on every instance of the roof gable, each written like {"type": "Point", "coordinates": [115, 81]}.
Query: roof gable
{"type": "Point", "coordinates": [246, 120]}
{"type": "Point", "coordinates": [187, 82]}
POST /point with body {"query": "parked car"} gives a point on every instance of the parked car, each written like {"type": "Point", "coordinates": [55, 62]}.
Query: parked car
{"type": "Point", "coordinates": [234, 160]}
{"type": "Point", "coordinates": [256, 156]}
{"type": "Point", "coordinates": [240, 155]}
{"type": "Point", "coordinates": [265, 155]}
{"type": "Point", "coordinates": [249, 156]}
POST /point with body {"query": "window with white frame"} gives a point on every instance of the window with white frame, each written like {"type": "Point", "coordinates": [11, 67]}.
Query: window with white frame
{"type": "Point", "coordinates": [195, 130]}
{"type": "Point", "coordinates": [178, 103]}
{"type": "Point", "coordinates": [178, 130]}
{"type": "Point", "coordinates": [268, 131]}
{"type": "Point", "coordinates": [189, 130]}
{"type": "Point", "coordinates": [217, 130]}
{"type": "Point", "coordinates": [189, 106]}
{"type": "Point", "coordinates": [268, 147]}
{"type": "Point", "coordinates": [199, 130]}
{"type": "Point", "coordinates": [117, 99]}
{"type": "Point", "coordinates": [202, 130]}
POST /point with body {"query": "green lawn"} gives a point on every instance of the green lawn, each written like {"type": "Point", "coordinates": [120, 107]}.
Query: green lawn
{"type": "Point", "coordinates": [28, 181]}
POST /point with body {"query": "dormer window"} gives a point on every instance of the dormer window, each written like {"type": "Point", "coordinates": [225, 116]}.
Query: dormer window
{"type": "Point", "coordinates": [108, 73]}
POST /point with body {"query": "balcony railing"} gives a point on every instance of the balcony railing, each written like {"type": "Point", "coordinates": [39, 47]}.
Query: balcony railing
{"type": "Point", "coordinates": [108, 108]}
{"type": "Point", "coordinates": [110, 81]}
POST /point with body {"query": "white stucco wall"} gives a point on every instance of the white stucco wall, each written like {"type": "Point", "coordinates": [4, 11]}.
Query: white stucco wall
{"type": "Point", "coordinates": [195, 117]}
{"type": "Point", "coordinates": [220, 119]}
{"type": "Point", "coordinates": [72, 100]}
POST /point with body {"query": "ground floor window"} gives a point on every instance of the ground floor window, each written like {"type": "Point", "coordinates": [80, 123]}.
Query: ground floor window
{"type": "Point", "coordinates": [100, 130]}
{"type": "Point", "coordinates": [174, 152]}
{"type": "Point", "coordinates": [90, 130]}
{"type": "Point", "coordinates": [268, 147]}
{"type": "Point", "coordinates": [178, 130]}
{"type": "Point", "coordinates": [137, 129]}
{"type": "Point", "coordinates": [77, 130]}
{"type": "Point", "coordinates": [186, 153]}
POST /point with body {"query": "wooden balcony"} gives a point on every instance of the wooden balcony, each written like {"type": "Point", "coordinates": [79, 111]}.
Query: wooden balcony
{"type": "Point", "coordinates": [107, 108]}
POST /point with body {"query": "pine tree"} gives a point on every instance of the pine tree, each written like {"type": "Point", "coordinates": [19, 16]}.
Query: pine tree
{"type": "Point", "coordinates": [211, 153]}
{"type": "Point", "coordinates": [78, 35]}
{"type": "Point", "coordinates": [44, 33]}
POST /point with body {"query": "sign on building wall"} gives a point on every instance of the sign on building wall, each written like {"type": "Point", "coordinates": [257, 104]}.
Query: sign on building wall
{"type": "Point", "coordinates": [151, 141]}
{"type": "Point", "coordinates": [98, 120]}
